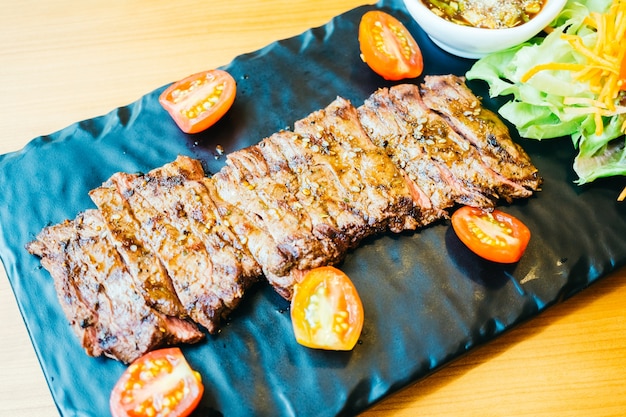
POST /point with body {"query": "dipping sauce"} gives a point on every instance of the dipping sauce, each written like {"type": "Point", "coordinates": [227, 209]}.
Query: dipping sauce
{"type": "Point", "coordinates": [491, 14]}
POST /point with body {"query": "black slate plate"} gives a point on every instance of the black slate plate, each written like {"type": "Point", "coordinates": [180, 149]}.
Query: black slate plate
{"type": "Point", "coordinates": [427, 299]}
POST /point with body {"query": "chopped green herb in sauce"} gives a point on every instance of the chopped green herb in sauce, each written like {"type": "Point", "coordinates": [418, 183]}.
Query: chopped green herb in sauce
{"type": "Point", "coordinates": [491, 14]}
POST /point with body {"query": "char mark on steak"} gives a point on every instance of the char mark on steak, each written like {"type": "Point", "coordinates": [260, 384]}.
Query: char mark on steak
{"type": "Point", "coordinates": [149, 275]}
{"type": "Point", "coordinates": [374, 186]}
{"type": "Point", "coordinates": [392, 132]}
{"type": "Point", "coordinates": [478, 184]}
{"type": "Point", "coordinates": [260, 244]}
{"type": "Point", "coordinates": [278, 208]}
{"type": "Point", "coordinates": [449, 96]}
{"type": "Point", "coordinates": [207, 290]}
{"type": "Point", "coordinates": [182, 253]}
{"type": "Point", "coordinates": [234, 268]}
{"type": "Point", "coordinates": [77, 294]}
{"type": "Point", "coordinates": [336, 181]}
{"type": "Point", "coordinates": [318, 221]}
{"type": "Point", "coordinates": [443, 164]}
{"type": "Point", "coordinates": [97, 292]}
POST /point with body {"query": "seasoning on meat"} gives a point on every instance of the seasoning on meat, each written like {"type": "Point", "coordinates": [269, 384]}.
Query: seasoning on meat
{"type": "Point", "coordinates": [149, 275]}
{"type": "Point", "coordinates": [97, 293]}
{"type": "Point", "coordinates": [174, 245]}
{"type": "Point", "coordinates": [337, 174]}
{"type": "Point", "coordinates": [444, 165]}
{"type": "Point", "coordinates": [449, 96]}
{"type": "Point", "coordinates": [371, 183]}
{"type": "Point", "coordinates": [204, 290]}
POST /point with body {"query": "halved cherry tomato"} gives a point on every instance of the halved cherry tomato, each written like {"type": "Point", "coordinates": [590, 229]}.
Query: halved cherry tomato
{"type": "Point", "coordinates": [326, 310]}
{"type": "Point", "coordinates": [495, 235]}
{"type": "Point", "coordinates": [198, 101]}
{"type": "Point", "coordinates": [388, 47]}
{"type": "Point", "coordinates": [160, 383]}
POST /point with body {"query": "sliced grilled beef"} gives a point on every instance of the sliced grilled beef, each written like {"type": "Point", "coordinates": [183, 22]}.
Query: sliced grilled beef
{"type": "Point", "coordinates": [449, 96]}
{"type": "Point", "coordinates": [98, 294]}
{"type": "Point", "coordinates": [455, 173]}
{"type": "Point", "coordinates": [235, 190]}
{"type": "Point", "coordinates": [318, 190]}
{"type": "Point", "coordinates": [259, 242]}
{"type": "Point", "coordinates": [347, 188]}
{"type": "Point", "coordinates": [372, 184]}
{"type": "Point", "coordinates": [262, 196]}
{"type": "Point", "coordinates": [175, 243]}
{"type": "Point", "coordinates": [182, 253]}
{"type": "Point", "coordinates": [188, 205]}
{"type": "Point", "coordinates": [317, 219]}
{"type": "Point", "coordinates": [76, 292]}
{"type": "Point", "coordinates": [457, 153]}
{"type": "Point", "coordinates": [150, 277]}
{"type": "Point", "coordinates": [403, 139]}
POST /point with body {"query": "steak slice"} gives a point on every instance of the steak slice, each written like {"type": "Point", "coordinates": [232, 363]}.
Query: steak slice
{"type": "Point", "coordinates": [372, 184]}
{"type": "Point", "coordinates": [231, 257]}
{"type": "Point", "coordinates": [388, 130]}
{"type": "Point", "coordinates": [316, 188]}
{"type": "Point", "coordinates": [318, 220]}
{"type": "Point", "coordinates": [263, 197]}
{"type": "Point", "coordinates": [98, 295]}
{"type": "Point", "coordinates": [463, 160]}
{"type": "Point", "coordinates": [449, 96]}
{"type": "Point", "coordinates": [257, 239]}
{"type": "Point", "coordinates": [191, 206]}
{"type": "Point", "coordinates": [469, 179]}
{"type": "Point", "coordinates": [260, 181]}
{"type": "Point", "coordinates": [182, 252]}
{"type": "Point", "coordinates": [149, 275]}
{"type": "Point", "coordinates": [235, 191]}
{"type": "Point", "coordinates": [76, 293]}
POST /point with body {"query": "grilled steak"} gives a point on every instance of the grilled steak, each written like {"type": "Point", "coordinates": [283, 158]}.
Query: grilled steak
{"type": "Point", "coordinates": [260, 195]}
{"type": "Point", "coordinates": [372, 184]}
{"type": "Point", "coordinates": [463, 159]}
{"type": "Point", "coordinates": [77, 293]}
{"type": "Point", "coordinates": [206, 292]}
{"type": "Point", "coordinates": [315, 218]}
{"type": "Point", "coordinates": [449, 96]}
{"type": "Point", "coordinates": [322, 225]}
{"type": "Point", "coordinates": [193, 209]}
{"type": "Point", "coordinates": [174, 244]}
{"type": "Point", "coordinates": [338, 188]}
{"type": "Point", "coordinates": [149, 275]}
{"type": "Point", "coordinates": [403, 140]}
{"type": "Point", "coordinates": [443, 164]}
{"type": "Point", "coordinates": [97, 292]}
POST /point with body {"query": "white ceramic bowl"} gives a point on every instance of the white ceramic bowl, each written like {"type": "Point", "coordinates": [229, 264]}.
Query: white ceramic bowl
{"type": "Point", "coordinates": [471, 42]}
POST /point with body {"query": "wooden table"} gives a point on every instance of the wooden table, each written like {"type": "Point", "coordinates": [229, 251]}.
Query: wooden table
{"type": "Point", "coordinates": [64, 61]}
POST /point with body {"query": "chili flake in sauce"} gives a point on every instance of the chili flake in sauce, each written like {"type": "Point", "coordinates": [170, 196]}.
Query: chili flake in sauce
{"type": "Point", "coordinates": [491, 14]}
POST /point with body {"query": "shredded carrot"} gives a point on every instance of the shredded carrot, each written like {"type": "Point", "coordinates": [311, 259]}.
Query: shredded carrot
{"type": "Point", "coordinates": [622, 195]}
{"type": "Point", "coordinates": [554, 66]}
{"type": "Point", "coordinates": [600, 65]}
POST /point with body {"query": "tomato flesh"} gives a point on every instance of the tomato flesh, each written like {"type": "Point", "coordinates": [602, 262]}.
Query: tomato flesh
{"type": "Point", "coordinates": [388, 47]}
{"type": "Point", "coordinates": [326, 310]}
{"type": "Point", "coordinates": [160, 383]}
{"type": "Point", "coordinates": [495, 235]}
{"type": "Point", "coordinates": [200, 100]}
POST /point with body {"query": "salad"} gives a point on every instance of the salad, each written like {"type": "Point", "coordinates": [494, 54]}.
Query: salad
{"type": "Point", "coordinates": [570, 82]}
